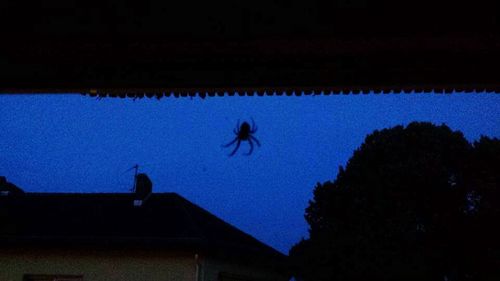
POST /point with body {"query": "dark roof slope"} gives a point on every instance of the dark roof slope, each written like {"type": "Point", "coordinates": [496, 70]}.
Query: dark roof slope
{"type": "Point", "coordinates": [161, 46]}
{"type": "Point", "coordinates": [165, 220]}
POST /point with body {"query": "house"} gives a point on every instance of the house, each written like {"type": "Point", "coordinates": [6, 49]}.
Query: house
{"type": "Point", "coordinates": [116, 236]}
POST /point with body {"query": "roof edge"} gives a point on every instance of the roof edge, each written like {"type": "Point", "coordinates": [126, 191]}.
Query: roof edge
{"type": "Point", "coordinates": [139, 93]}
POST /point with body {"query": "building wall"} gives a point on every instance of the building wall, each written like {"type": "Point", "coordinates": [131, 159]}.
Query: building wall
{"type": "Point", "coordinates": [98, 266]}
{"type": "Point", "coordinates": [213, 269]}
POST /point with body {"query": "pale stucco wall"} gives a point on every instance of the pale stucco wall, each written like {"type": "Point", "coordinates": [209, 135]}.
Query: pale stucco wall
{"type": "Point", "coordinates": [211, 268]}
{"type": "Point", "coordinates": [125, 266]}
{"type": "Point", "coordinates": [98, 266]}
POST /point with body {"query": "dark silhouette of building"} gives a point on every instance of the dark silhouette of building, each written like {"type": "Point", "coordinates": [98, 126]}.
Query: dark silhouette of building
{"type": "Point", "coordinates": [9, 189]}
{"type": "Point", "coordinates": [107, 237]}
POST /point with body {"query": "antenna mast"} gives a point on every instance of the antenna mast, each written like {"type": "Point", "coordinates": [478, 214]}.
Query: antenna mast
{"type": "Point", "coordinates": [136, 167]}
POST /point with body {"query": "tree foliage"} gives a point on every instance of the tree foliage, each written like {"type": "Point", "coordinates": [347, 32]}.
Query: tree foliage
{"type": "Point", "coordinates": [408, 206]}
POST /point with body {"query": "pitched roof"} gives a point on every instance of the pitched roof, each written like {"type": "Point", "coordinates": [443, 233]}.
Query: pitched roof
{"type": "Point", "coordinates": [165, 220]}
{"type": "Point", "coordinates": [191, 46]}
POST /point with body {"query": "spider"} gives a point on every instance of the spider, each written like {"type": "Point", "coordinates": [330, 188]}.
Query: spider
{"type": "Point", "coordinates": [244, 133]}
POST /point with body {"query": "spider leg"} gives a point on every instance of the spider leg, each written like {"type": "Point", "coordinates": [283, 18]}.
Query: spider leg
{"type": "Point", "coordinates": [236, 148]}
{"type": "Point", "coordinates": [254, 127]}
{"type": "Point", "coordinates": [251, 147]}
{"type": "Point", "coordinates": [229, 144]}
{"type": "Point", "coordinates": [237, 129]}
{"type": "Point", "coordinates": [256, 140]}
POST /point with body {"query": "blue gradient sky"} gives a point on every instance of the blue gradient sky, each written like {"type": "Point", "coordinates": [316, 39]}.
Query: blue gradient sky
{"type": "Point", "coordinates": [73, 143]}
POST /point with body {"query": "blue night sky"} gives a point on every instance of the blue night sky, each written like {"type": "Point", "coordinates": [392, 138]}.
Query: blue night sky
{"type": "Point", "coordinates": [73, 143]}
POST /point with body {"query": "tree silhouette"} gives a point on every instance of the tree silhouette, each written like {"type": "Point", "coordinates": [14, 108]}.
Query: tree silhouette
{"type": "Point", "coordinates": [403, 209]}
{"type": "Point", "coordinates": [482, 244]}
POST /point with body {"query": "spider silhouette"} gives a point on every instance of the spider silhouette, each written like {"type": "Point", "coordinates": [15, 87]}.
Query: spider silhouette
{"type": "Point", "coordinates": [244, 133]}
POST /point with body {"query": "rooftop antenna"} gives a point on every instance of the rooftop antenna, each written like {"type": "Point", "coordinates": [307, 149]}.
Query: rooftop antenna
{"type": "Point", "coordinates": [136, 167]}
{"type": "Point", "coordinates": [142, 188]}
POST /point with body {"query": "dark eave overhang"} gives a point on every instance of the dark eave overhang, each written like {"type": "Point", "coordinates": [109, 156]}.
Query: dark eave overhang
{"type": "Point", "coordinates": [269, 47]}
{"type": "Point", "coordinates": [259, 67]}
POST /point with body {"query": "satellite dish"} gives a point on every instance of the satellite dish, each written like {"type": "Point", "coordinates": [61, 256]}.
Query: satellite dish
{"type": "Point", "coordinates": [143, 186]}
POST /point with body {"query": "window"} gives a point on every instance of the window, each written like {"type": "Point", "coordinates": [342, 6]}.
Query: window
{"type": "Point", "coordinates": [224, 276]}
{"type": "Point", "coordinates": [39, 277]}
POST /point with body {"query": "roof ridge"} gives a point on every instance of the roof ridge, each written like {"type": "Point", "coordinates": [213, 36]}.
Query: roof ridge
{"type": "Point", "coordinates": [95, 193]}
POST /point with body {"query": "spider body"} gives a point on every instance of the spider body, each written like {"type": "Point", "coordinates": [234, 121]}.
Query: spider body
{"type": "Point", "coordinates": [244, 133]}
